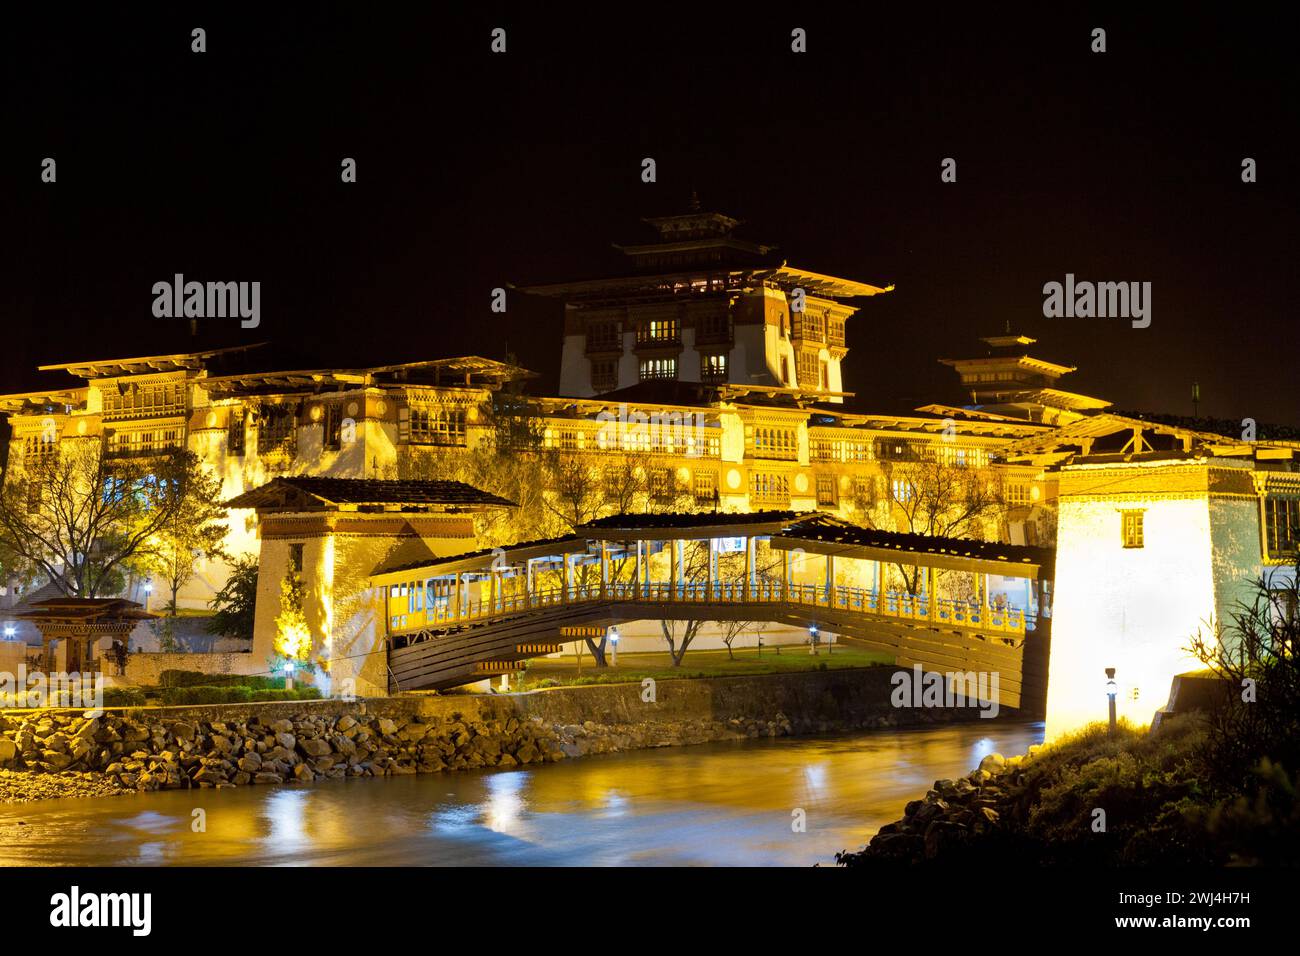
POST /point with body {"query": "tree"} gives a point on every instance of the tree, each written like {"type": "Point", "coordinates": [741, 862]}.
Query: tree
{"type": "Point", "coordinates": [82, 517]}
{"type": "Point", "coordinates": [1256, 656]}
{"type": "Point", "coordinates": [766, 563]}
{"type": "Point", "coordinates": [695, 569]}
{"type": "Point", "coordinates": [292, 635]}
{"type": "Point", "coordinates": [504, 462]}
{"type": "Point", "coordinates": [236, 603]}
{"type": "Point", "coordinates": [927, 492]}
{"type": "Point", "coordinates": [196, 530]}
{"type": "Point", "coordinates": [576, 495]}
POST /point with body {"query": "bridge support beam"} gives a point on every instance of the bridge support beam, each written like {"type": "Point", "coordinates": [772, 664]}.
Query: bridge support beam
{"type": "Point", "coordinates": [674, 567]}
{"type": "Point", "coordinates": [604, 569]}
{"type": "Point", "coordinates": [830, 580]}
{"type": "Point", "coordinates": [713, 569]}
{"type": "Point", "coordinates": [749, 568]}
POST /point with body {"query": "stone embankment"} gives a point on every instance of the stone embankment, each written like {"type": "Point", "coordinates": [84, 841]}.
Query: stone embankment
{"type": "Point", "coordinates": [45, 754]}
{"type": "Point", "coordinates": [950, 815]}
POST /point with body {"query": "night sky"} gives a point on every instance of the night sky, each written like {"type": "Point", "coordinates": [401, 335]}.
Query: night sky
{"type": "Point", "coordinates": [478, 170]}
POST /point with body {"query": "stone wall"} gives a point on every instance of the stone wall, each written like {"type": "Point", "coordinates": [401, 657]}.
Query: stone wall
{"type": "Point", "coordinates": [275, 742]}
{"type": "Point", "coordinates": [145, 668]}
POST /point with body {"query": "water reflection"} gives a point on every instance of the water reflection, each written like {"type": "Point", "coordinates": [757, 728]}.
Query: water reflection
{"type": "Point", "coordinates": [716, 804]}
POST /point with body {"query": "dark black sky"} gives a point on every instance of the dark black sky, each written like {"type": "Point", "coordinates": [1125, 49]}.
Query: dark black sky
{"type": "Point", "coordinates": [478, 170]}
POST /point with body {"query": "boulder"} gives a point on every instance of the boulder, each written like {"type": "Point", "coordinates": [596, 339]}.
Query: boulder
{"type": "Point", "coordinates": [250, 763]}
{"type": "Point", "coordinates": [993, 763]}
{"type": "Point", "coordinates": [314, 746]}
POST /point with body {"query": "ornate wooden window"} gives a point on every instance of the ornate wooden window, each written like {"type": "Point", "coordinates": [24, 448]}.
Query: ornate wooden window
{"type": "Point", "coordinates": [434, 425]}
{"type": "Point", "coordinates": [658, 368]}
{"type": "Point", "coordinates": [713, 368]}
{"type": "Point", "coordinates": [604, 375]}
{"type": "Point", "coordinates": [277, 429]}
{"type": "Point", "coordinates": [1281, 526]}
{"type": "Point", "coordinates": [827, 490]}
{"type": "Point", "coordinates": [1131, 530]}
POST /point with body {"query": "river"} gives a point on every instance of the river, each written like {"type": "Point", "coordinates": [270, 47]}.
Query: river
{"type": "Point", "coordinates": [721, 804]}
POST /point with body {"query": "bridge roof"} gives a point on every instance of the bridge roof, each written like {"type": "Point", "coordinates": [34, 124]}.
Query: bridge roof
{"type": "Point", "coordinates": [822, 534]}
{"type": "Point", "coordinates": [302, 492]}
{"type": "Point", "coordinates": [480, 560]}
{"type": "Point", "coordinates": [707, 524]}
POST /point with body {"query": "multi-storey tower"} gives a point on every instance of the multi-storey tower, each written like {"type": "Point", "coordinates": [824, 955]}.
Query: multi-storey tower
{"type": "Point", "coordinates": [699, 304]}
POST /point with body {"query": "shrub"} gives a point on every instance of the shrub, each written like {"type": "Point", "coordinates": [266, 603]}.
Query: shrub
{"type": "Point", "coordinates": [176, 678]}
{"type": "Point", "coordinates": [124, 697]}
{"type": "Point", "coordinates": [298, 693]}
{"type": "Point", "coordinates": [206, 695]}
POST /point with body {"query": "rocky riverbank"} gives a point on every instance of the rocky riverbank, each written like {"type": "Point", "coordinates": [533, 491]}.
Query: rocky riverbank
{"type": "Point", "coordinates": [62, 754]}
{"type": "Point", "coordinates": [65, 755]}
{"type": "Point", "coordinates": [951, 814]}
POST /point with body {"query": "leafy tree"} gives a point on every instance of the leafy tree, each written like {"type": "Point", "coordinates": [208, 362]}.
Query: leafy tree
{"type": "Point", "coordinates": [81, 517]}
{"type": "Point", "coordinates": [927, 492]}
{"type": "Point", "coordinates": [292, 635]}
{"type": "Point", "coordinates": [194, 531]}
{"type": "Point", "coordinates": [1255, 655]}
{"type": "Point", "coordinates": [236, 603]}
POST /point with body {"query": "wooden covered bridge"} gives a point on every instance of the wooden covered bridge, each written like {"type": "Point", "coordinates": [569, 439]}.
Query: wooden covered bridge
{"type": "Point", "coordinates": [963, 605]}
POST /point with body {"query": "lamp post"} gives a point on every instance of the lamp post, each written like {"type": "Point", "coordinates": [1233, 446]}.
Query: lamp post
{"type": "Point", "coordinates": [1111, 690]}
{"type": "Point", "coordinates": [812, 639]}
{"type": "Point", "coordinates": [9, 632]}
{"type": "Point", "coordinates": [613, 644]}
{"type": "Point", "coordinates": [288, 675]}
{"type": "Point", "coordinates": [148, 590]}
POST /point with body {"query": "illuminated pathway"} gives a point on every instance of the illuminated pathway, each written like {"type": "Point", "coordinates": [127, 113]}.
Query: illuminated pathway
{"type": "Point", "coordinates": [455, 619]}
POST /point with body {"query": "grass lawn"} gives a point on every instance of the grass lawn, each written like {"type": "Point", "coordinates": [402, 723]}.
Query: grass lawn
{"type": "Point", "coordinates": [555, 672]}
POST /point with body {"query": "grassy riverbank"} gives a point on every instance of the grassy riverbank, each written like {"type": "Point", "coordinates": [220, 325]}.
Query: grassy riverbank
{"type": "Point", "coordinates": [1134, 798]}
{"type": "Point", "coordinates": [569, 671]}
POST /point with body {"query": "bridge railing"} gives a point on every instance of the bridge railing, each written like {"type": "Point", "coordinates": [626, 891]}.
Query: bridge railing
{"type": "Point", "coordinates": [898, 605]}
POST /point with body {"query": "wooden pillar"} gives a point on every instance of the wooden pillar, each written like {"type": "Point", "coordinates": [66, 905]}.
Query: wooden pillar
{"type": "Point", "coordinates": [492, 591]}
{"type": "Point", "coordinates": [566, 579]}
{"type": "Point", "coordinates": [785, 575]}
{"type": "Point", "coordinates": [713, 569]}
{"type": "Point", "coordinates": [830, 580]}
{"type": "Point", "coordinates": [675, 569]}
{"type": "Point", "coordinates": [604, 569]}
{"type": "Point", "coordinates": [984, 599]}
{"type": "Point", "coordinates": [637, 576]}
{"type": "Point", "coordinates": [528, 582]}
{"type": "Point", "coordinates": [931, 609]}
{"type": "Point", "coordinates": [749, 568]}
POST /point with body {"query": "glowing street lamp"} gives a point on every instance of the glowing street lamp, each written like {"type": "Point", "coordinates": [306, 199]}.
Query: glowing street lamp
{"type": "Point", "coordinates": [613, 643]}
{"type": "Point", "coordinates": [1111, 690]}
{"type": "Point", "coordinates": [288, 675]}
{"type": "Point", "coordinates": [9, 632]}
{"type": "Point", "coordinates": [812, 638]}
{"type": "Point", "coordinates": [148, 590]}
